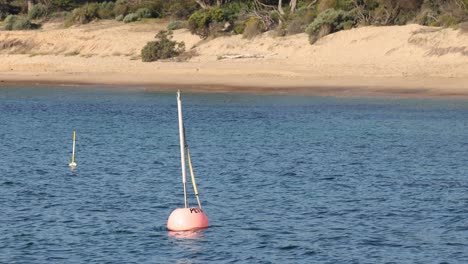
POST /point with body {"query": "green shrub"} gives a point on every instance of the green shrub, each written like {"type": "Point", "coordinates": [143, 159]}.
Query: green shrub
{"type": "Point", "coordinates": [83, 15]}
{"type": "Point", "coordinates": [38, 11]}
{"type": "Point", "coordinates": [181, 9]}
{"type": "Point", "coordinates": [132, 17]}
{"type": "Point", "coordinates": [253, 27]}
{"type": "Point", "coordinates": [237, 9]}
{"type": "Point", "coordinates": [328, 21]}
{"type": "Point", "coordinates": [163, 48]}
{"type": "Point", "coordinates": [9, 21]}
{"type": "Point", "coordinates": [239, 28]}
{"type": "Point", "coordinates": [92, 11]}
{"type": "Point", "coordinates": [155, 7]}
{"type": "Point", "coordinates": [348, 24]}
{"type": "Point", "coordinates": [119, 17]}
{"type": "Point", "coordinates": [13, 22]}
{"type": "Point", "coordinates": [106, 10]}
{"type": "Point", "coordinates": [294, 27]}
{"type": "Point", "coordinates": [448, 20]}
{"type": "Point", "coordinates": [60, 15]}
{"type": "Point", "coordinates": [404, 17]}
{"type": "Point", "coordinates": [143, 13]}
{"type": "Point", "coordinates": [173, 25]}
{"type": "Point", "coordinates": [236, 13]}
{"type": "Point", "coordinates": [297, 22]}
{"type": "Point", "coordinates": [425, 17]}
{"type": "Point", "coordinates": [345, 5]}
{"type": "Point", "coordinates": [275, 16]}
{"type": "Point", "coordinates": [62, 5]}
{"type": "Point", "coordinates": [121, 8]}
{"type": "Point", "coordinates": [200, 21]}
{"type": "Point", "coordinates": [305, 15]}
{"type": "Point", "coordinates": [217, 15]}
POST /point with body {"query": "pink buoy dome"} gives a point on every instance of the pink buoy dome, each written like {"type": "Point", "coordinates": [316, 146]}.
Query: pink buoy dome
{"type": "Point", "coordinates": [184, 219]}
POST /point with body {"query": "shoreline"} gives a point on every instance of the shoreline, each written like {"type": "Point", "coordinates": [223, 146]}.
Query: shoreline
{"type": "Point", "coordinates": [344, 87]}
{"type": "Point", "coordinates": [409, 61]}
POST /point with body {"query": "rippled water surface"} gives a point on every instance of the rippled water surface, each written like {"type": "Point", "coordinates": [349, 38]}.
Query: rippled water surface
{"type": "Point", "coordinates": [283, 179]}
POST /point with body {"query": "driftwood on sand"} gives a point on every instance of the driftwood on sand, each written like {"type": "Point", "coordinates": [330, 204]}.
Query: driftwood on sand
{"type": "Point", "coordinates": [239, 56]}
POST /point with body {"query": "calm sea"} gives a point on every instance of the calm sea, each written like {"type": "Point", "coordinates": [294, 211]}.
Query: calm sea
{"type": "Point", "coordinates": [283, 179]}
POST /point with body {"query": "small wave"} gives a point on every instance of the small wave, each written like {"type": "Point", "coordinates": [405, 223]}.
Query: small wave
{"type": "Point", "coordinates": [288, 247]}
{"type": "Point", "coordinates": [123, 231]}
{"type": "Point", "coordinates": [8, 183]}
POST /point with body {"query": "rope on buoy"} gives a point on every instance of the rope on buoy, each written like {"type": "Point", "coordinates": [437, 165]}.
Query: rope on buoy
{"type": "Point", "coordinates": [192, 175]}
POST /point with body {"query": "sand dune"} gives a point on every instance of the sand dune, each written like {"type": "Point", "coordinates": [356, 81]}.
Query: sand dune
{"type": "Point", "coordinates": [405, 61]}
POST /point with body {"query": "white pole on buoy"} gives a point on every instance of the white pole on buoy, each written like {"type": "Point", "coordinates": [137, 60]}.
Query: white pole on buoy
{"type": "Point", "coordinates": [182, 147]}
{"type": "Point", "coordinates": [185, 219]}
{"type": "Point", "coordinates": [73, 163]}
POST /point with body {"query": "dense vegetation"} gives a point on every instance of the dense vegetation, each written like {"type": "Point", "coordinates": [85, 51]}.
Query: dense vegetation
{"type": "Point", "coordinates": [249, 17]}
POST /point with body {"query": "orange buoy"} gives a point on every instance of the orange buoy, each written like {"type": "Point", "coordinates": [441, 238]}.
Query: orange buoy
{"type": "Point", "coordinates": [185, 219]}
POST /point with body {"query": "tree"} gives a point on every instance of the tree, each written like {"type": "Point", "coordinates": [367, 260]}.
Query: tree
{"type": "Point", "coordinates": [293, 5]}
{"type": "Point", "coordinates": [279, 4]}
{"type": "Point", "coordinates": [202, 4]}
{"type": "Point", "coordinates": [206, 4]}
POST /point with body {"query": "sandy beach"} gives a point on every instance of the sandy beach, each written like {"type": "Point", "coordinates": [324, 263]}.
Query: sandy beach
{"type": "Point", "coordinates": [397, 61]}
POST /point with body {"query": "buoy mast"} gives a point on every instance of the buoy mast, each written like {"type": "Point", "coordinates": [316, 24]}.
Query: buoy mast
{"type": "Point", "coordinates": [73, 163]}
{"type": "Point", "coordinates": [182, 148]}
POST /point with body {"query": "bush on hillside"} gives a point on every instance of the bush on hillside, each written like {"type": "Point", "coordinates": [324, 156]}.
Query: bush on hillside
{"type": "Point", "coordinates": [345, 5]}
{"type": "Point", "coordinates": [157, 8]}
{"type": "Point", "coordinates": [119, 17]}
{"type": "Point", "coordinates": [13, 22]}
{"type": "Point", "coordinates": [83, 15]}
{"type": "Point", "coordinates": [38, 11]}
{"type": "Point", "coordinates": [327, 22]}
{"type": "Point", "coordinates": [199, 23]}
{"type": "Point", "coordinates": [173, 25]}
{"type": "Point", "coordinates": [132, 17]}
{"type": "Point", "coordinates": [253, 27]}
{"type": "Point", "coordinates": [447, 20]}
{"type": "Point", "coordinates": [239, 28]}
{"type": "Point", "coordinates": [163, 48]}
{"type": "Point", "coordinates": [237, 10]}
{"type": "Point", "coordinates": [143, 13]}
{"type": "Point", "coordinates": [296, 23]}
{"type": "Point", "coordinates": [121, 8]}
{"type": "Point", "coordinates": [138, 15]}
{"type": "Point", "coordinates": [181, 9]}
{"type": "Point", "coordinates": [4, 9]}
{"type": "Point", "coordinates": [447, 13]}
{"type": "Point", "coordinates": [106, 10]}
{"type": "Point", "coordinates": [62, 5]}
{"type": "Point", "coordinates": [294, 27]}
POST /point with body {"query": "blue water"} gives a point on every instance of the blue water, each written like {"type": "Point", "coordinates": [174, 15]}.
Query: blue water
{"type": "Point", "coordinates": [283, 179]}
